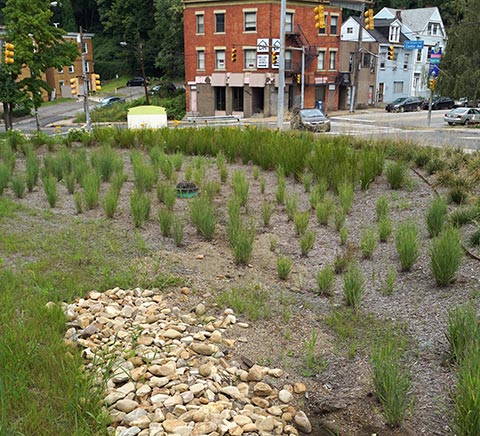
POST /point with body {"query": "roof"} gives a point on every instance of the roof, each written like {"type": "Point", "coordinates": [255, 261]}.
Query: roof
{"type": "Point", "coordinates": [415, 19]}
{"type": "Point", "coordinates": [382, 29]}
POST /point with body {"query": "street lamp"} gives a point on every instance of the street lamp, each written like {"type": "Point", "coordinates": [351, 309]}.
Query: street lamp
{"type": "Point", "coordinates": [142, 65]}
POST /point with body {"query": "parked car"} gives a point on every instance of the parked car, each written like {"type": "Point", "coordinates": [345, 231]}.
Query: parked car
{"type": "Point", "coordinates": [136, 81]}
{"type": "Point", "coordinates": [461, 102]}
{"type": "Point", "coordinates": [162, 88]}
{"type": "Point", "coordinates": [440, 103]}
{"type": "Point", "coordinates": [310, 119]}
{"type": "Point", "coordinates": [107, 101]}
{"type": "Point", "coordinates": [462, 115]}
{"type": "Point", "coordinates": [405, 104]}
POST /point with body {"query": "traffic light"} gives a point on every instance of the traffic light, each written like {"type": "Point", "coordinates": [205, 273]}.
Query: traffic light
{"type": "Point", "coordinates": [299, 78]}
{"type": "Point", "coordinates": [274, 57]}
{"type": "Point", "coordinates": [391, 53]}
{"type": "Point", "coordinates": [432, 82]}
{"type": "Point", "coordinates": [234, 55]}
{"type": "Point", "coordinates": [319, 17]}
{"type": "Point", "coordinates": [369, 21]}
{"type": "Point", "coordinates": [9, 53]}
{"type": "Point", "coordinates": [74, 85]}
{"type": "Point", "coordinates": [95, 84]}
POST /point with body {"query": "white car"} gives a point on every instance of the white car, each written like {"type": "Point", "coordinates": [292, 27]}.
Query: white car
{"type": "Point", "coordinates": [462, 115]}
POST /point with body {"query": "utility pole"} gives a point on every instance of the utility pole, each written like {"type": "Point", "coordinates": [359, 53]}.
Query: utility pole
{"type": "Point", "coordinates": [281, 66]}
{"type": "Point", "coordinates": [357, 62]}
{"type": "Point", "coordinates": [85, 84]}
{"type": "Point", "coordinates": [302, 86]}
{"type": "Point", "coordinates": [142, 65]}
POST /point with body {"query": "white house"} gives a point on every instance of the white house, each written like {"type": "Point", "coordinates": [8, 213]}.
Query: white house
{"type": "Point", "coordinates": [422, 24]}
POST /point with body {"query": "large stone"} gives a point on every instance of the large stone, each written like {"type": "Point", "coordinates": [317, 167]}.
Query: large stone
{"type": "Point", "coordinates": [163, 370]}
{"type": "Point", "coordinates": [170, 425]}
{"type": "Point", "coordinates": [233, 392]}
{"type": "Point", "coordinates": [172, 334]}
{"type": "Point", "coordinates": [303, 422]}
{"type": "Point", "coordinates": [126, 405]}
{"type": "Point", "coordinates": [265, 424]}
{"type": "Point", "coordinates": [285, 396]}
{"type": "Point", "coordinates": [203, 428]}
{"type": "Point", "coordinates": [134, 415]}
{"type": "Point", "coordinates": [262, 389]}
{"type": "Point", "coordinates": [203, 349]}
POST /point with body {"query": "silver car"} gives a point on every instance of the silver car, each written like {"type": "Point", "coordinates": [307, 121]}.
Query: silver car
{"type": "Point", "coordinates": [310, 119]}
{"type": "Point", "coordinates": [462, 115]}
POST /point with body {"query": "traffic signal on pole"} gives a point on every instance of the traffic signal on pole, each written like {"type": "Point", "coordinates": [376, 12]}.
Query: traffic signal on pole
{"type": "Point", "coordinates": [369, 21]}
{"type": "Point", "coordinates": [274, 57]}
{"type": "Point", "coordinates": [74, 85]}
{"type": "Point", "coordinates": [9, 53]}
{"type": "Point", "coordinates": [391, 53]}
{"type": "Point", "coordinates": [95, 84]}
{"type": "Point", "coordinates": [319, 17]}
{"type": "Point", "coordinates": [299, 78]}
{"type": "Point", "coordinates": [432, 83]}
{"type": "Point", "coordinates": [234, 55]}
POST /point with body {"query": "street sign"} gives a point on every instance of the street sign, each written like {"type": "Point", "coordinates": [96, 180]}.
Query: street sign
{"type": "Point", "coordinates": [436, 55]}
{"type": "Point", "coordinates": [433, 70]}
{"type": "Point", "coordinates": [413, 45]}
{"type": "Point", "coordinates": [262, 45]}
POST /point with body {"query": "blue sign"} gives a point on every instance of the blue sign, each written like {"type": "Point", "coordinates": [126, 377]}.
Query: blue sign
{"type": "Point", "coordinates": [413, 45]}
{"type": "Point", "coordinates": [433, 70]}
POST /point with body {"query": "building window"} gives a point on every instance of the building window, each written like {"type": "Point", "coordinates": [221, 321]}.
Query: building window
{"type": "Point", "coordinates": [394, 34]}
{"type": "Point", "coordinates": [60, 70]}
{"type": "Point", "coordinates": [200, 59]}
{"type": "Point", "coordinates": [219, 59]}
{"type": "Point", "coordinates": [289, 22]}
{"type": "Point", "coordinates": [366, 60]}
{"type": "Point", "coordinates": [382, 59]}
{"type": "Point", "coordinates": [350, 30]}
{"type": "Point", "coordinates": [333, 25]}
{"type": "Point", "coordinates": [397, 87]}
{"type": "Point", "coordinates": [372, 64]}
{"type": "Point", "coordinates": [321, 60]}
{"type": "Point", "coordinates": [87, 67]}
{"type": "Point", "coordinates": [351, 58]}
{"type": "Point", "coordinates": [220, 98]}
{"type": "Point", "coordinates": [200, 23]}
{"type": "Point", "coordinates": [250, 22]}
{"type": "Point", "coordinates": [406, 58]}
{"type": "Point", "coordinates": [288, 59]}
{"type": "Point", "coordinates": [237, 99]}
{"type": "Point", "coordinates": [220, 22]}
{"type": "Point", "coordinates": [419, 55]}
{"type": "Point", "coordinates": [61, 83]}
{"type": "Point", "coordinates": [332, 64]}
{"type": "Point", "coordinates": [323, 30]}
{"type": "Point", "coordinates": [433, 29]}
{"type": "Point", "coordinates": [71, 69]}
{"type": "Point", "coordinates": [429, 54]}
{"type": "Point", "coordinates": [416, 80]}
{"type": "Point", "coordinates": [250, 59]}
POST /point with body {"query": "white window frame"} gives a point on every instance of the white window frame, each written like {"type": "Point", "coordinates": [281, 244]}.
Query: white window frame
{"type": "Point", "coordinates": [249, 24]}
{"type": "Point", "coordinates": [394, 33]}
{"type": "Point", "coordinates": [350, 30]}
{"type": "Point", "coordinates": [85, 48]}
{"type": "Point", "coordinates": [200, 23]}
{"type": "Point", "coordinates": [71, 69]}
{"type": "Point", "coordinates": [382, 59]}
{"type": "Point", "coordinates": [321, 58]}
{"type": "Point", "coordinates": [220, 64]}
{"type": "Point", "coordinates": [333, 23]}
{"type": "Point", "coordinates": [224, 21]}
{"type": "Point", "coordinates": [60, 70]}
{"type": "Point", "coordinates": [250, 58]}
{"type": "Point", "coordinates": [288, 59]}
{"type": "Point", "coordinates": [200, 58]}
{"type": "Point", "coordinates": [406, 60]}
{"type": "Point", "coordinates": [289, 22]}
{"type": "Point", "coordinates": [398, 87]}
{"type": "Point", "coordinates": [335, 57]}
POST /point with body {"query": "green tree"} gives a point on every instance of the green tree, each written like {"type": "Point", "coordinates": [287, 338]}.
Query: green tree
{"type": "Point", "coordinates": [38, 47]}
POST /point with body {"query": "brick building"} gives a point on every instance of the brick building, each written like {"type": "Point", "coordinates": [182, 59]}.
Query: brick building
{"type": "Point", "coordinates": [217, 85]}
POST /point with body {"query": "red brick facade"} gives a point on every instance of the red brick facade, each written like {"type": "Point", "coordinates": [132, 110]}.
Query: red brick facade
{"type": "Point", "coordinates": [218, 86]}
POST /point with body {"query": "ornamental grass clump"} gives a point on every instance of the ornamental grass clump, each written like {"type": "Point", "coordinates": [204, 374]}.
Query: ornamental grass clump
{"type": "Point", "coordinates": [368, 242]}
{"type": "Point", "coordinates": [78, 201]}
{"type": "Point", "coordinates": [4, 177]}
{"type": "Point", "coordinates": [50, 188]}
{"type": "Point", "coordinates": [281, 189]}
{"type": "Point", "coordinates": [165, 219]}
{"type": "Point", "coordinates": [384, 228]}
{"type": "Point", "coordinates": [300, 219]}
{"type": "Point", "coordinates": [110, 202]}
{"type": "Point", "coordinates": [284, 266]}
{"type": "Point", "coordinates": [202, 214]}
{"type": "Point", "coordinates": [307, 180]}
{"type": "Point", "coordinates": [391, 378]}
{"type": "Point", "coordinates": [140, 205]}
{"type": "Point", "coordinates": [463, 330]}
{"type": "Point", "coordinates": [325, 278]}
{"type": "Point", "coordinates": [267, 211]}
{"type": "Point", "coordinates": [396, 173]}
{"type": "Point", "coordinates": [91, 188]}
{"type": "Point", "coordinates": [242, 243]}
{"type": "Point", "coordinates": [318, 193]}
{"type": "Point", "coordinates": [69, 180]}
{"type": "Point", "coordinates": [446, 256]}
{"type": "Point", "coordinates": [382, 207]}
{"type": "Point", "coordinates": [353, 286]}
{"type": "Point", "coordinates": [324, 210]}
{"type": "Point", "coordinates": [178, 231]}
{"type": "Point", "coordinates": [346, 194]}
{"type": "Point", "coordinates": [18, 185]}
{"type": "Point", "coordinates": [240, 186]}
{"type": "Point", "coordinates": [339, 218]}
{"type": "Point", "coordinates": [407, 244]}
{"type": "Point", "coordinates": [32, 170]}
{"type": "Point", "coordinates": [291, 205]}
{"type": "Point", "coordinates": [106, 161]}
{"type": "Point", "coordinates": [436, 216]}
{"type": "Point", "coordinates": [307, 241]}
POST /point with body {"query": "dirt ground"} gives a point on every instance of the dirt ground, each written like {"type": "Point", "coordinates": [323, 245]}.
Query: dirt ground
{"type": "Point", "coordinates": [340, 396]}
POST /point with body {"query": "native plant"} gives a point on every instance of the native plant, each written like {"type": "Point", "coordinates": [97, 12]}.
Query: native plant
{"type": "Point", "coordinates": [446, 256]}
{"type": "Point", "coordinates": [325, 278]}
{"type": "Point", "coordinates": [284, 266]}
{"type": "Point", "coordinates": [436, 216]}
{"type": "Point", "coordinates": [353, 286]}
{"type": "Point", "coordinates": [407, 244]}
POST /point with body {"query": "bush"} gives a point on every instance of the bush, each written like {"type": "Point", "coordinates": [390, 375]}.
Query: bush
{"type": "Point", "coordinates": [242, 243]}
{"type": "Point", "coordinates": [353, 286]}
{"type": "Point", "coordinates": [407, 244]}
{"type": "Point", "coordinates": [91, 188]}
{"type": "Point", "coordinates": [325, 278]}
{"type": "Point", "coordinates": [178, 231]}
{"type": "Point", "coordinates": [284, 266]}
{"type": "Point", "coordinates": [106, 161]}
{"type": "Point", "coordinates": [436, 216]}
{"type": "Point", "coordinates": [18, 185]}
{"type": "Point", "coordinates": [324, 210]}
{"type": "Point", "coordinates": [446, 256]}
{"type": "Point", "coordinates": [396, 173]}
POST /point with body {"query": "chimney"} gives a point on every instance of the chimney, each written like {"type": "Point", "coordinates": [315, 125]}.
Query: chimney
{"type": "Point", "coordinates": [398, 15]}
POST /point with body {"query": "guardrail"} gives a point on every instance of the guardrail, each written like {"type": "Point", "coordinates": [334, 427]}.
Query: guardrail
{"type": "Point", "coordinates": [214, 119]}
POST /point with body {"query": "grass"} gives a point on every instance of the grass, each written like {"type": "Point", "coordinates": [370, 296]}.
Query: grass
{"type": "Point", "coordinates": [407, 243]}
{"type": "Point", "coordinates": [396, 173]}
{"type": "Point", "coordinates": [312, 362]}
{"type": "Point", "coordinates": [384, 228]}
{"type": "Point", "coordinates": [368, 242]}
{"type": "Point", "coordinates": [284, 266]}
{"type": "Point", "coordinates": [50, 188]}
{"type": "Point", "coordinates": [463, 331]}
{"type": "Point", "coordinates": [307, 240]}
{"type": "Point", "coordinates": [140, 205]}
{"type": "Point", "coordinates": [325, 278]}
{"type": "Point", "coordinates": [436, 216]}
{"type": "Point", "coordinates": [267, 210]}
{"type": "Point", "coordinates": [301, 219]}
{"type": "Point", "coordinates": [202, 214]}
{"type": "Point", "coordinates": [446, 256]}
{"type": "Point", "coordinates": [251, 301]}
{"type": "Point", "coordinates": [382, 207]}
{"type": "Point", "coordinates": [353, 286]}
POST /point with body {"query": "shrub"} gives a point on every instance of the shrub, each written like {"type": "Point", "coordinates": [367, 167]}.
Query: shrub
{"type": "Point", "coordinates": [140, 205]}
{"type": "Point", "coordinates": [110, 202]}
{"type": "Point", "coordinates": [353, 286]}
{"type": "Point", "coordinates": [407, 244]}
{"type": "Point", "coordinates": [4, 177]}
{"type": "Point", "coordinates": [106, 161]}
{"type": "Point", "coordinates": [119, 178]}
{"type": "Point", "coordinates": [267, 211]}
{"type": "Point", "coordinates": [165, 219]}
{"type": "Point", "coordinates": [91, 188]}
{"type": "Point", "coordinates": [391, 380]}
{"type": "Point", "coordinates": [300, 219]}
{"type": "Point", "coordinates": [18, 185]}
{"type": "Point", "coordinates": [325, 278]}
{"type": "Point", "coordinates": [318, 193]}
{"type": "Point", "coordinates": [368, 242]}
{"type": "Point", "coordinates": [50, 188]}
{"type": "Point", "coordinates": [202, 214]}
{"type": "Point", "coordinates": [166, 167]}
{"type": "Point", "coordinates": [346, 193]}
{"type": "Point", "coordinates": [307, 240]}
{"type": "Point", "coordinates": [436, 216]}
{"type": "Point", "coordinates": [463, 330]}
{"type": "Point", "coordinates": [396, 173]}
{"type": "Point", "coordinates": [382, 207]}
{"type": "Point", "coordinates": [69, 180]}
{"type": "Point", "coordinates": [459, 190]}
{"type": "Point", "coordinates": [446, 256]}
{"type": "Point", "coordinates": [385, 228]}
{"type": "Point", "coordinates": [284, 266]}
{"type": "Point", "coordinates": [170, 197]}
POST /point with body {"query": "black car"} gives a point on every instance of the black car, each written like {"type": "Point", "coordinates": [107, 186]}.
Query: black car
{"type": "Point", "coordinates": [163, 88]}
{"type": "Point", "coordinates": [405, 104]}
{"type": "Point", "coordinates": [440, 103]}
{"type": "Point", "coordinates": [136, 81]}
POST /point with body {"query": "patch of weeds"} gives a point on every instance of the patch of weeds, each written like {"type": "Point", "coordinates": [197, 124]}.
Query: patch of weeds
{"type": "Point", "coordinates": [273, 243]}
{"type": "Point", "coordinates": [313, 363]}
{"type": "Point", "coordinates": [251, 301]}
{"type": "Point", "coordinates": [343, 259]}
